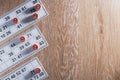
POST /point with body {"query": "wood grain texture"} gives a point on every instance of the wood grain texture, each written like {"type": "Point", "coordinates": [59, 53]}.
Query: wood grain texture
{"type": "Point", "coordinates": [83, 37]}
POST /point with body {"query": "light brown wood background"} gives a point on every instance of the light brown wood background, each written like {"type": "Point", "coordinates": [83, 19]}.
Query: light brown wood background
{"type": "Point", "coordinates": [83, 37]}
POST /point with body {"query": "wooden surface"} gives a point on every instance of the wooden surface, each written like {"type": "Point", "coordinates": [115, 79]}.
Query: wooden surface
{"type": "Point", "coordinates": [83, 37]}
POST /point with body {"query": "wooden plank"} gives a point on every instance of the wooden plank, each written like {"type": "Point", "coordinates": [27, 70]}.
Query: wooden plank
{"type": "Point", "coordinates": [83, 37]}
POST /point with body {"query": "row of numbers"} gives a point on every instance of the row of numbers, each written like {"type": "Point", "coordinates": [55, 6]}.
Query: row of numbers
{"type": "Point", "coordinates": [5, 34]}
{"type": "Point", "coordinates": [35, 77]}
{"type": "Point", "coordinates": [21, 10]}
{"type": "Point", "coordinates": [24, 46]}
{"type": "Point", "coordinates": [16, 58]}
{"type": "Point", "coordinates": [16, 74]}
